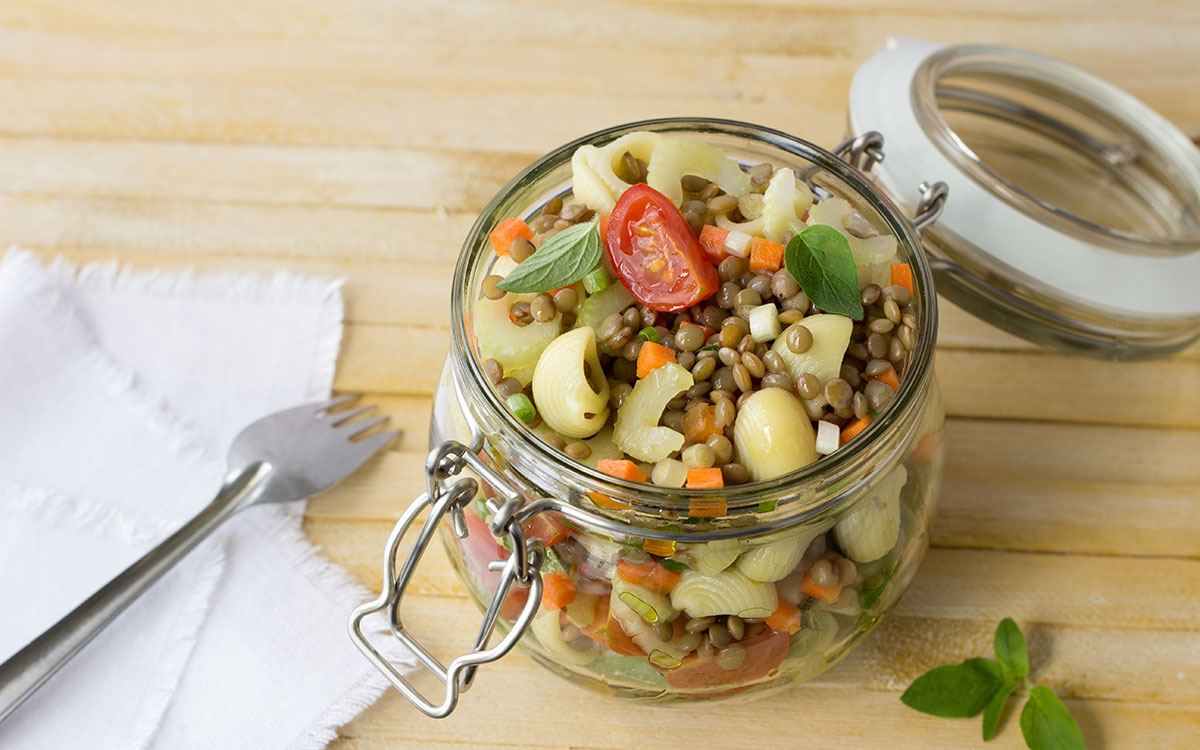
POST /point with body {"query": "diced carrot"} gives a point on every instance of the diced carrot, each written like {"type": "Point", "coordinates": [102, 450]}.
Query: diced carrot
{"type": "Point", "coordinates": [621, 468]}
{"type": "Point", "coordinates": [604, 501]}
{"type": "Point", "coordinates": [855, 427]}
{"type": "Point", "coordinates": [652, 356]}
{"type": "Point", "coordinates": [888, 377]}
{"type": "Point", "coordinates": [706, 507]}
{"type": "Point", "coordinates": [506, 231]}
{"type": "Point", "coordinates": [922, 453]}
{"type": "Point", "coordinates": [712, 239]}
{"type": "Point", "coordinates": [602, 226]}
{"type": "Point", "coordinates": [701, 479]}
{"type": "Point", "coordinates": [700, 423]}
{"type": "Point", "coordinates": [649, 575]}
{"type": "Point", "coordinates": [618, 641]}
{"type": "Point", "coordinates": [765, 255]}
{"type": "Point", "coordinates": [659, 547]}
{"type": "Point", "coordinates": [558, 590]}
{"type": "Point", "coordinates": [704, 478]}
{"type": "Point", "coordinates": [828, 595]}
{"type": "Point", "coordinates": [902, 275]}
{"type": "Point", "coordinates": [785, 619]}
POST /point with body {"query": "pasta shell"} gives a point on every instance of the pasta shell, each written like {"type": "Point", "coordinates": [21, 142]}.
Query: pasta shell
{"type": "Point", "coordinates": [726, 593]}
{"type": "Point", "coordinates": [574, 405]}
{"type": "Point", "coordinates": [872, 526]}
{"type": "Point", "coordinates": [774, 560]}
{"type": "Point", "coordinates": [773, 435]}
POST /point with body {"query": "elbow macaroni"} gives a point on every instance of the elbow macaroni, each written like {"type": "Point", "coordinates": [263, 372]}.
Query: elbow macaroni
{"type": "Point", "coordinates": [568, 400]}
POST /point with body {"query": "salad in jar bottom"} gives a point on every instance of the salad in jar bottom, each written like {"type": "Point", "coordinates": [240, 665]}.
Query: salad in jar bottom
{"type": "Point", "coordinates": [693, 323]}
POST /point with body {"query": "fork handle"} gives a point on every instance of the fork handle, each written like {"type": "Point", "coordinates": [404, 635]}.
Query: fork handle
{"type": "Point", "coordinates": [29, 668]}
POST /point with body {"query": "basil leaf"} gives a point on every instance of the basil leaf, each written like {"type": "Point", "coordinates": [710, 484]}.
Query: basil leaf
{"type": "Point", "coordinates": [1047, 724]}
{"type": "Point", "coordinates": [955, 691]}
{"type": "Point", "coordinates": [1010, 649]}
{"type": "Point", "coordinates": [819, 258]}
{"type": "Point", "coordinates": [674, 566]}
{"type": "Point", "coordinates": [564, 259]}
{"type": "Point", "coordinates": [991, 714]}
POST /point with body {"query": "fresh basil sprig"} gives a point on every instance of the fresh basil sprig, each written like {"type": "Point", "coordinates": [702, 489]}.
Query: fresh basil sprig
{"type": "Point", "coordinates": [564, 259]}
{"type": "Point", "coordinates": [963, 690]}
{"type": "Point", "coordinates": [819, 258]}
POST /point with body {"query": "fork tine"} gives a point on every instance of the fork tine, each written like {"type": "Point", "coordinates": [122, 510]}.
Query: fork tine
{"type": "Point", "coordinates": [361, 427]}
{"type": "Point", "coordinates": [337, 401]}
{"type": "Point", "coordinates": [375, 443]}
{"type": "Point", "coordinates": [338, 418]}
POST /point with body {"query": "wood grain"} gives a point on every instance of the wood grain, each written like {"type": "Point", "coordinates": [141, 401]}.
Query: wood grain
{"type": "Point", "coordinates": [361, 139]}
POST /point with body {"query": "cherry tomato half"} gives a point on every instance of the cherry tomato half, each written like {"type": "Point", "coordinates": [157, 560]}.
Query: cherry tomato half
{"type": "Point", "coordinates": [655, 253]}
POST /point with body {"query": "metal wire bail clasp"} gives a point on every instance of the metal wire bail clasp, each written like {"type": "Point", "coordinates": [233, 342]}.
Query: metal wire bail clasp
{"type": "Point", "coordinates": [522, 568]}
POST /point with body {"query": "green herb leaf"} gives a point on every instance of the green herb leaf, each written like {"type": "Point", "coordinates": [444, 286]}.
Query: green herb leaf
{"type": "Point", "coordinates": [564, 259]}
{"type": "Point", "coordinates": [991, 714]}
{"type": "Point", "coordinates": [1047, 724]}
{"type": "Point", "coordinates": [674, 565]}
{"type": "Point", "coordinates": [955, 691]}
{"type": "Point", "coordinates": [1010, 649]}
{"type": "Point", "coordinates": [819, 258]}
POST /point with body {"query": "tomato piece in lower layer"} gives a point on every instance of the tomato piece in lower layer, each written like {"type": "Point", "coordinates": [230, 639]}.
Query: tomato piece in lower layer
{"type": "Point", "coordinates": [479, 549]}
{"type": "Point", "coordinates": [764, 653]}
{"type": "Point", "coordinates": [655, 253]}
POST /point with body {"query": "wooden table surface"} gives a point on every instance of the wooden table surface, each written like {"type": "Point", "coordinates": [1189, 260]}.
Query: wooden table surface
{"type": "Point", "coordinates": [361, 138]}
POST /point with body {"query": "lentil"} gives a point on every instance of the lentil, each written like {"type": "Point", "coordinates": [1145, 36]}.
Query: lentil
{"type": "Point", "coordinates": [578, 451]}
{"type": "Point", "coordinates": [838, 393]}
{"type": "Point", "coordinates": [493, 370]}
{"type": "Point", "coordinates": [777, 380]}
{"type": "Point", "coordinates": [881, 325]}
{"type": "Point", "coordinates": [734, 473]}
{"type": "Point", "coordinates": [898, 294]}
{"type": "Point", "coordinates": [565, 299]}
{"type": "Point", "coordinates": [542, 308]}
{"type": "Point", "coordinates": [490, 288]}
{"type": "Point", "coordinates": [725, 412]}
{"type": "Point", "coordinates": [783, 285]}
{"type": "Point", "coordinates": [753, 364]}
{"type": "Point", "coordinates": [878, 394]}
{"type": "Point", "coordinates": [509, 386]}
{"type": "Point", "coordinates": [737, 628]}
{"type": "Point", "coordinates": [799, 339]}
{"type": "Point", "coordinates": [520, 250]}
{"type": "Point", "coordinates": [741, 378]}
{"type": "Point", "coordinates": [892, 311]}
{"type": "Point", "coordinates": [719, 635]}
{"type": "Point", "coordinates": [704, 369]}
{"type": "Point", "coordinates": [807, 386]}
{"type": "Point", "coordinates": [731, 657]}
{"type": "Point", "coordinates": [520, 313]}
{"type": "Point", "coordinates": [870, 294]}
{"type": "Point", "coordinates": [698, 624]}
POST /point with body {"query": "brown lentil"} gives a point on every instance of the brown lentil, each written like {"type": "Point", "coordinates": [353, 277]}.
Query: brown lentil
{"type": "Point", "coordinates": [699, 390]}
{"type": "Point", "coordinates": [760, 173]}
{"type": "Point", "coordinates": [823, 574]}
{"type": "Point", "coordinates": [578, 451]}
{"type": "Point", "coordinates": [703, 369]}
{"type": "Point", "coordinates": [860, 405]}
{"type": "Point", "coordinates": [623, 369]}
{"type": "Point", "coordinates": [565, 299]}
{"type": "Point", "coordinates": [741, 399]}
{"type": "Point", "coordinates": [725, 412]}
{"type": "Point", "coordinates": [710, 191]}
{"type": "Point", "coordinates": [727, 295]}
{"type": "Point", "coordinates": [632, 317]}
{"type": "Point", "coordinates": [543, 222]}
{"type": "Point", "coordinates": [689, 641]}
{"type": "Point", "coordinates": [847, 571]}
{"type": "Point", "coordinates": [553, 206]}
{"type": "Point", "coordinates": [631, 350]}
{"type": "Point", "coordinates": [881, 325]}
{"type": "Point", "coordinates": [493, 370]}
{"type": "Point", "coordinates": [754, 628]}
{"type": "Point", "coordinates": [747, 344]}
{"type": "Point", "coordinates": [673, 419]}
{"type": "Point", "coordinates": [490, 288]}
{"type": "Point", "coordinates": [721, 447]}
{"type": "Point", "coordinates": [542, 308]}
{"type": "Point", "coordinates": [741, 378]}
{"type": "Point", "coordinates": [877, 346]}
{"type": "Point", "coordinates": [877, 367]}
{"type": "Point", "coordinates": [620, 338]}
{"type": "Point", "coordinates": [719, 634]}
{"type": "Point", "coordinates": [753, 364]}
{"type": "Point", "coordinates": [618, 393]}
{"type": "Point", "coordinates": [749, 297]}
{"type": "Point", "coordinates": [555, 440]}
{"type": "Point", "coordinates": [520, 250]}
{"type": "Point", "coordinates": [870, 295]}
{"type": "Point", "coordinates": [693, 183]}
{"type": "Point", "coordinates": [777, 380]}
{"type": "Point", "coordinates": [892, 311]}
{"type": "Point", "coordinates": [734, 473]}
{"type": "Point", "coordinates": [907, 337]}
{"type": "Point", "coordinates": [858, 350]}
{"type": "Point", "coordinates": [807, 386]}
{"type": "Point", "coordinates": [723, 380]}
{"type": "Point", "coordinates": [731, 268]}
{"type": "Point", "coordinates": [798, 301]}
{"type": "Point", "coordinates": [609, 327]}
{"type": "Point", "coordinates": [909, 319]}
{"type": "Point", "coordinates": [689, 338]}
{"type": "Point", "coordinates": [762, 285]}
{"type": "Point", "coordinates": [664, 630]}
{"type": "Point", "coordinates": [878, 394]}
{"type": "Point", "coordinates": [895, 351]}
{"type": "Point", "coordinates": [799, 339]}
{"type": "Point", "coordinates": [520, 313]}
{"type": "Point", "coordinates": [678, 402]}
{"type": "Point", "coordinates": [838, 393]}
{"type": "Point", "coordinates": [705, 650]}
{"type": "Point", "coordinates": [898, 294]}
{"type": "Point", "coordinates": [787, 317]}
{"type": "Point", "coordinates": [731, 657]}
{"type": "Point", "coordinates": [783, 285]}
{"type": "Point", "coordinates": [698, 624]}
{"type": "Point", "coordinates": [737, 628]}
{"type": "Point", "coordinates": [774, 362]}
{"type": "Point", "coordinates": [849, 373]}
{"type": "Point", "coordinates": [509, 386]}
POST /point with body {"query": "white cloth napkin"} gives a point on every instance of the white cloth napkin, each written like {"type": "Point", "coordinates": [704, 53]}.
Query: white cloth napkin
{"type": "Point", "coordinates": [119, 392]}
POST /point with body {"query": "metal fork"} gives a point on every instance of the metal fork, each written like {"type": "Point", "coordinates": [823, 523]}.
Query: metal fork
{"type": "Point", "coordinates": [288, 455]}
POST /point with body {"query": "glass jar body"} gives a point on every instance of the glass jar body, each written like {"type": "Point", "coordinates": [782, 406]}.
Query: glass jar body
{"type": "Point", "coordinates": [662, 594]}
{"type": "Point", "coordinates": [864, 551]}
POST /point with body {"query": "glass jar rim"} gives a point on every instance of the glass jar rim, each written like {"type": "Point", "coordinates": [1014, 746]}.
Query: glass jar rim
{"type": "Point", "coordinates": [651, 498]}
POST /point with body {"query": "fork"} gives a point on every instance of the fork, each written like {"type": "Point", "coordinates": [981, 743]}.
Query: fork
{"type": "Point", "coordinates": [286, 456]}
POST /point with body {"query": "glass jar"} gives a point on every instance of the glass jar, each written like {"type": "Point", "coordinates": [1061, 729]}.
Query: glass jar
{"type": "Point", "coordinates": [840, 538]}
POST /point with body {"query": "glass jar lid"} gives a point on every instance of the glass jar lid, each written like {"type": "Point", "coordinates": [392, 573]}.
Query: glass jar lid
{"type": "Point", "coordinates": [1074, 219]}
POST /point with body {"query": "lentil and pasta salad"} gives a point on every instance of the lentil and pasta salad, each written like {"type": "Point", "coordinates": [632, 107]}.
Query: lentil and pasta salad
{"type": "Point", "coordinates": [692, 322]}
